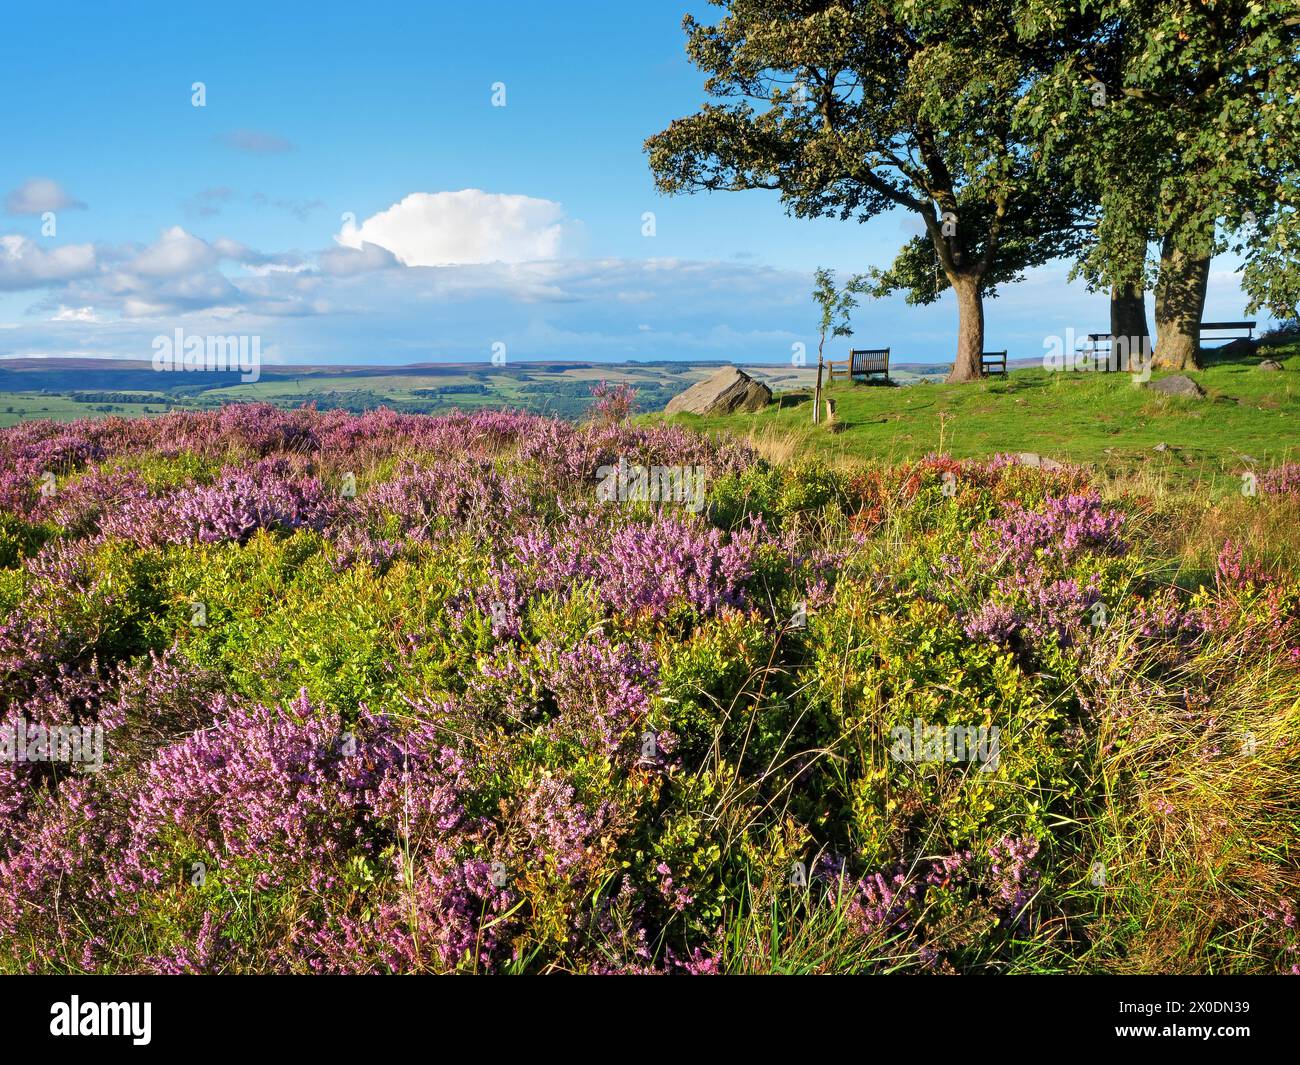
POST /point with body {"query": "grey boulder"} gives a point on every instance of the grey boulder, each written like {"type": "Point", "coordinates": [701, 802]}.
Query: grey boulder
{"type": "Point", "coordinates": [1031, 458]}
{"type": "Point", "coordinates": [726, 391]}
{"type": "Point", "coordinates": [1177, 385]}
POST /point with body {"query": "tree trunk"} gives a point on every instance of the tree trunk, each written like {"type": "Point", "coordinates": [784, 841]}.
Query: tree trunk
{"type": "Point", "coordinates": [1128, 319]}
{"type": "Point", "coordinates": [970, 329]}
{"type": "Point", "coordinates": [1180, 299]}
{"type": "Point", "coordinates": [817, 392]}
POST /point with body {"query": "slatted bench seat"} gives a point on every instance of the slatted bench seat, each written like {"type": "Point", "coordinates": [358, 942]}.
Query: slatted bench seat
{"type": "Point", "coordinates": [993, 362]}
{"type": "Point", "coordinates": [863, 362]}
{"type": "Point", "coordinates": [1098, 348]}
{"type": "Point", "coordinates": [1219, 327]}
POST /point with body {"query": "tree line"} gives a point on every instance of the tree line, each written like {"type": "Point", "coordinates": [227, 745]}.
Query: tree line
{"type": "Point", "coordinates": [1134, 138]}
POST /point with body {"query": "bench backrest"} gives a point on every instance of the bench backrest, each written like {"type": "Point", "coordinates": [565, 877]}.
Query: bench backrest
{"type": "Point", "coordinates": [1227, 325]}
{"type": "Point", "coordinates": [869, 360]}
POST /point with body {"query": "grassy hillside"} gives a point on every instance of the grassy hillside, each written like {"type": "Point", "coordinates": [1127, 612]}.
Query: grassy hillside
{"type": "Point", "coordinates": [1248, 420]}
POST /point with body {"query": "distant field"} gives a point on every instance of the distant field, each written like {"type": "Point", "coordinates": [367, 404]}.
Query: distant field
{"type": "Point", "coordinates": [65, 389]}
{"type": "Point", "coordinates": [17, 407]}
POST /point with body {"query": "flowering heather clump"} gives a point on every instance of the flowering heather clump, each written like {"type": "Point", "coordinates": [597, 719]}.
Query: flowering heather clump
{"type": "Point", "coordinates": [613, 403]}
{"type": "Point", "coordinates": [1014, 877]}
{"type": "Point", "coordinates": [995, 622]}
{"type": "Point", "coordinates": [475, 717]}
{"type": "Point", "coordinates": [1043, 607]}
{"type": "Point", "coordinates": [1231, 569]}
{"type": "Point", "coordinates": [1063, 527]}
{"type": "Point", "coordinates": [452, 913]}
{"type": "Point", "coordinates": [649, 567]}
{"type": "Point", "coordinates": [1163, 616]}
{"type": "Point", "coordinates": [81, 505]}
{"type": "Point", "coordinates": [280, 793]}
{"type": "Point", "coordinates": [557, 829]}
{"type": "Point", "coordinates": [1281, 480]}
{"type": "Point", "coordinates": [265, 496]}
{"type": "Point", "coordinates": [452, 496]}
{"type": "Point", "coordinates": [639, 569]}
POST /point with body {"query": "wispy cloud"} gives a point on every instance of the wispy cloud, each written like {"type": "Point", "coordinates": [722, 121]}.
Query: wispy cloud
{"type": "Point", "coordinates": [208, 203]}
{"type": "Point", "coordinates": [256, 142]}
{"type": "Point", "coordinates": [300, 209]}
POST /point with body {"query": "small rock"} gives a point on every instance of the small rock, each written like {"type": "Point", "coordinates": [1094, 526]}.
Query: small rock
{"type": "Point", "coordinates": [1270, 364]}
{"type": "Point", "coordinates": [727, 390]}
{"type": "Point", "coordinates": [1161, 447]}
{"type": "Point", "coordinates": [1177, 385]}
{"type": "Point", "coordinates": [1030, 458]}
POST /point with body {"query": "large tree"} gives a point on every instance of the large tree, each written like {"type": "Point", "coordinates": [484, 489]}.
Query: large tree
{"type": "Point", "coordinates": [852, 108]}
{"type": "Point", "coordinates": [1178, 116]}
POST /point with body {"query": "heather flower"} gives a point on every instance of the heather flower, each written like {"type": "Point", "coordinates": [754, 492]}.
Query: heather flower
{"type": "Point", "coordinates": [1281, 480]}
{"type": "Point", "coordinates": [206, 956]}
{"type": "Point", "coordinates": [1163, 616]}
{"type": "Point", "coordinates": [995, 622]}
{"type": "Point", "coordinates": [650, 567]}
{"type": "Point", "coordinates": [613, 403]}
{"type": "Point", "coordinates": [559, 830]}
{"type": "Point", "coordinates": [275, 790]}
{"type": "Point", "coordinates": [1014, 879]}
{"type": "Point", "coordinates": [1231, 569]}
{"type": "Point", "coordinates": [263, 496]}
{"type": "Point", "coordinates": [1063, 527]}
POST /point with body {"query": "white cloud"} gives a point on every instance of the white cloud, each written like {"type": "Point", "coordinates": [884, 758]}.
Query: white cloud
{"type": "Point", "coordinates": [25, 264]}
{"type": "Point", "coordinates": [76, 314]}
{"type": "Point", "coordinates": [38, 195]}
{"type": "Point", "coordinates": [457, 228]}
{"type": "Point", "coordinates": [173, 254]}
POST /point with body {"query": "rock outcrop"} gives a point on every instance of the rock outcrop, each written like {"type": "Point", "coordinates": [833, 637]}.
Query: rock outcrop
{"type": "Point", "coordinates": [726, 391]}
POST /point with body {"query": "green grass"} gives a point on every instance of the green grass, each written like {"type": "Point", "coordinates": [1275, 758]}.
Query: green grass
{"type": "Point", "coordinates": [1105, 421]}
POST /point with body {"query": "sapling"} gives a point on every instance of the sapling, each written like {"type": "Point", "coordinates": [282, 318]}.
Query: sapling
{"type": "Point", "coordinates": [836, 306]}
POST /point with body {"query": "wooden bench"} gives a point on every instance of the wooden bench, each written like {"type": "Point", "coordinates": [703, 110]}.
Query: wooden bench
{"type": "Point", "coordinates": [863, 362]}
{"type": "Point", "coordinates": [1219, 327]}
{"type": "Point", "coordinates": [993, 362]}
{"type": "Point", "coordinates": [1107, 356]}
{"type": "Point", "coordinates": [1098, 345]}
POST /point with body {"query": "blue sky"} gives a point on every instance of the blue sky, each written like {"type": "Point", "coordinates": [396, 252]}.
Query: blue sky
{"type": "Point", "coordinates": [350, 194]}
